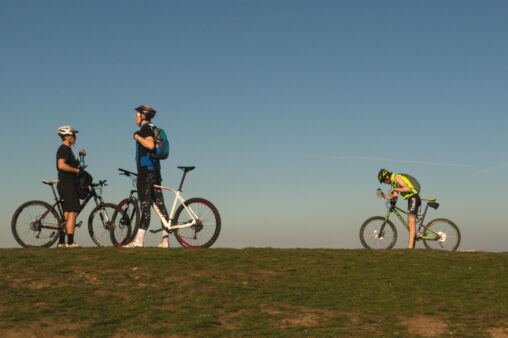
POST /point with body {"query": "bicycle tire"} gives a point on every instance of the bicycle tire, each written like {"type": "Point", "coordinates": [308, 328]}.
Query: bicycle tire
{"type": "Point", "coordinates": [208, 230]}
{"type": "Point", "coordinates": [369, 230]}
{"type": "Point", "coordinates": [125, 215]}
{"type": "Point", "coordinates": [99, 231]}
{"type": "Point", "coordinates": [449, 235]}
{"type": "Point", "coordinates": [27, 221]}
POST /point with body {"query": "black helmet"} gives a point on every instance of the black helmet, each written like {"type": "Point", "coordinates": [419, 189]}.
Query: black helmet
{"type": "Point", "coordinates": [148, 111]}
{"type": "Point", "coordinates": [382, 174]}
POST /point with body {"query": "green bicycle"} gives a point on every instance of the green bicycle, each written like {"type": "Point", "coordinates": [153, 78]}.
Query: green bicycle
{"type": "Point", "coordinates": [378, 232]}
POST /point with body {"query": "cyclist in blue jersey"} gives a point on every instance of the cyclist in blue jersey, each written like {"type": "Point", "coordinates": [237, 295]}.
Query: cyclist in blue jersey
{"type": "Point", "coordinates": [402, 184]}
{"type": "Point", "coordinates": [148, 175]}
{"type": "Point", "coordinates": [67, 166]}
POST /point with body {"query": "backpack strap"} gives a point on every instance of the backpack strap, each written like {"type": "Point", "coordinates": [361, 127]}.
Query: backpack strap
{"type": "Point", "coordinates": [155, 163]}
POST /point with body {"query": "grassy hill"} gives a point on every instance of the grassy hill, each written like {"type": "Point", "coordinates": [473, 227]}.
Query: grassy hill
{"type": "Point", "coordinates": [252, 292]}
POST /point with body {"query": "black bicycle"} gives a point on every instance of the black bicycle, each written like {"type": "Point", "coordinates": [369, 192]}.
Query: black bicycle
{"type": "Point", "coordinates": [128, 215]}
{"type": "Point", "coordinates": [39, 224]}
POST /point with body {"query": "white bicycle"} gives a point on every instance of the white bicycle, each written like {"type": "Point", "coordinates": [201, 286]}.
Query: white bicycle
{"type": "Point", "coordinates": [195, 223]}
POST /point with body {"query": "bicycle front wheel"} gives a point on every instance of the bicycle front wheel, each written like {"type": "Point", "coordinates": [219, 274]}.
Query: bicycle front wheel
{"type": "Point", "coordinates": [205, 232]}
{"type": "Point", "coordinates": [35, 224]}
{"type": "Point", "coordinates": [373, 237]}
{"type": "Point", "coordinates": [444, 233]}
{"type": "Point", "coordinates": [100, 223]}
{"type": "Point", "coordinates": [126, 220]}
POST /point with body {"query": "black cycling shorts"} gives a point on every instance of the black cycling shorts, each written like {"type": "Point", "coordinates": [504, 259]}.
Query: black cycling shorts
{"type": "Point", "coordinates": [413, 204]}
{"type": "Point", "coordinates": [68, 192]}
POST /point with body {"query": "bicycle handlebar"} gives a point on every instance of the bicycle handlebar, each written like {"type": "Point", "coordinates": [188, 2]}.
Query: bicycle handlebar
{"type": "Point", "coordinates": [126, 172]}
{"type": "Point", "coordinates": [100, 184]}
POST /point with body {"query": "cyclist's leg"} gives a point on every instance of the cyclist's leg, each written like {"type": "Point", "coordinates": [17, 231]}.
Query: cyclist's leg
{"type": "Point", "coordinates": [144, 186]}
{"type": "Point", "coordinates": [414, 203]}
{"type": "Point", "coordinates": [158, 198]}
{"type": "Point", "coordinates": [70, 206]}
{"type": "Point", "coordinates": [71, 224]}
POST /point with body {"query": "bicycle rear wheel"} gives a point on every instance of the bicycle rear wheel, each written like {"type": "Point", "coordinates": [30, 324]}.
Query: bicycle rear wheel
{"type": "Point", "coordinates": [126, 220]}
{"type": "Point", "coordinates": [100, 223]}
{"type": "Point", "coordinates": [206, 232]}
{"type": "Point", "coordinates": [35, 224]}
{"type": "Point", "coordinates": [445, 234]}
{"type": "Point", "coordinates": [372, 237]}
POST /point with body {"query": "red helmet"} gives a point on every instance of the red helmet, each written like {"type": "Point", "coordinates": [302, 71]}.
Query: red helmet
{"type": "Point", "coordinates": [148, 111]}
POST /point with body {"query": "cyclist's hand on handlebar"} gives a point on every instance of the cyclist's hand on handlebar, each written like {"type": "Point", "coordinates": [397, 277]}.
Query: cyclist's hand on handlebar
{"type": "Point", "coordinates": [380, 193]}
{"type": "Point", "coordinates": [81, 171]}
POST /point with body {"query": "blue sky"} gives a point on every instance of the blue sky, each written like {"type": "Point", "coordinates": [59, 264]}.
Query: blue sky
{"type": "Point", "coordinates": [287, 108]}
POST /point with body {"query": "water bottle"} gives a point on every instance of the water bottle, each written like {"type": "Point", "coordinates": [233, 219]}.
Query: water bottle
{"type": "Point", "coordinates": [82, 160]}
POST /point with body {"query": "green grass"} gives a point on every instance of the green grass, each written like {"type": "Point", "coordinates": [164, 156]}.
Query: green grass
{"type": "Point", "coordinates": [252, 292]}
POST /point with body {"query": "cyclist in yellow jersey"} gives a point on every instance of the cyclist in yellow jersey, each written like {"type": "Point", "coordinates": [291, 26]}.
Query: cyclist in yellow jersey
{"type": "Point", "coordinates": [401, 184]}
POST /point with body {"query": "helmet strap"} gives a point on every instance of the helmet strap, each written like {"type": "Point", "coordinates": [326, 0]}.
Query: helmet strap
{"type": "Point", "coordinates": [143, 120]}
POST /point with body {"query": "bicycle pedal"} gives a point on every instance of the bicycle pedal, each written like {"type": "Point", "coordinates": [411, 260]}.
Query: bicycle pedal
{"type": "Point", "coordinates": [79, 224]}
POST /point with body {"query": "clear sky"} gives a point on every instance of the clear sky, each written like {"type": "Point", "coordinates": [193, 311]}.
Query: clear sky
{"type": "Point", "coordinates": [288, 109]}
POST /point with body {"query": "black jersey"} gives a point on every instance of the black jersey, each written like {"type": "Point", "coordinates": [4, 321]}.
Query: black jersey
{"type": "Point", "coordinates": [143, 159]}
{"type": "Point", "coordinates": [65, 152]}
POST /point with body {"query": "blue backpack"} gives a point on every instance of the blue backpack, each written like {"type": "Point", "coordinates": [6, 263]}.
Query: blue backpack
{"type": "Point", "coordinates": [161, 150]}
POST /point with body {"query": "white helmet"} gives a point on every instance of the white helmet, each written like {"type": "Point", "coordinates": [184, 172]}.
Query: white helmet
{"type": "Point", "coordinates": [66, 130]}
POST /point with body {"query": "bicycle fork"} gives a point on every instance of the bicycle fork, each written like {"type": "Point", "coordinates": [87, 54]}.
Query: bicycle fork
{"type": "Point", "coordinates": [381, 232]}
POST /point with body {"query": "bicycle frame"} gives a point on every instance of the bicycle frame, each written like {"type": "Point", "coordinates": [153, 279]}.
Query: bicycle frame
{"type": "Point", "coordinates": [58, 202]}
{"type": "Point", "coordinates": [178, 198]}
{"type": "Point", "coordinates": [419, 220]}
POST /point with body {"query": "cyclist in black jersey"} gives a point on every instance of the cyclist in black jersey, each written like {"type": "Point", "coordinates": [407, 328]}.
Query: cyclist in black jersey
{"type": "Point", "coordinates": [148, 175]}
{"type": "Point", "coordinates": [67, 167]}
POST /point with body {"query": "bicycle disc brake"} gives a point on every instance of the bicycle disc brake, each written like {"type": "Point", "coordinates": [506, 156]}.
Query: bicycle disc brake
{"type": "Point", "coordinates": [378, 235]}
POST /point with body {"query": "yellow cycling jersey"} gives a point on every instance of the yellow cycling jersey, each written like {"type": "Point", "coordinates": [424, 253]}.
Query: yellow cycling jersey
{"type": "Point", "coordinates": [405, 195]}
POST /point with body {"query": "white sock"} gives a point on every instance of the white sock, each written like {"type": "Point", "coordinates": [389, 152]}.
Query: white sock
{"type": "Point", "coordinates": [165, 237]}
{"type": "Point", "coordinates": [141, 236]}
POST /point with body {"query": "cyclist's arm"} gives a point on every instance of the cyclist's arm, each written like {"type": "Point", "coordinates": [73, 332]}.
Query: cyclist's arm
{"type": "Point", "coordinates": [392, 194]}
{"type": "Point", "coordinates": [65, 167]}
{"type": "Point", "coordinates": [146, 142]}
{"type": "Point", "coordinates": [403, 186]}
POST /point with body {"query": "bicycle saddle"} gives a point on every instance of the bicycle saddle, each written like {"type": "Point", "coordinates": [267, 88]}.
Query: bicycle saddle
{"type": "Point", "coordinates": [49, 182]}
{"type": "Point", "coordinates": [185, 169]}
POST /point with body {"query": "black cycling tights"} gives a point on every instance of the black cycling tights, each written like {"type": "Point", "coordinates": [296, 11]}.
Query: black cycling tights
{"type": "Point", "coordinates": [147, 193]}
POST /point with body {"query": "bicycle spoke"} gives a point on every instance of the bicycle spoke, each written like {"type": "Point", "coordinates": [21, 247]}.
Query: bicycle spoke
{"type": "Point", "coordinates": [444, 233]}
{"type": "Point", "coordinates": [205, 232]}
{"type": "Point", "coordinates": [125, 219]}
{"type": "Point", "coordinates": [35, 224]}
{"type": "Point", "coordinates": [100, 223]}
{"type": "Point", "coordinates": [374, 236]}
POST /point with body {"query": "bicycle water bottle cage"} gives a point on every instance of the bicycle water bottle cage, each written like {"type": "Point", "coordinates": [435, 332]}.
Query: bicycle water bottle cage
{"type": "Point", "coordinates": [433, 205]}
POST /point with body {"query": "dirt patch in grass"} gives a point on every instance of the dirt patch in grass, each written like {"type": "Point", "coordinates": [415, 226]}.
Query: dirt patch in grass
{"type": "Point", "coordinates": [498, 332]}
{"type": "Point", "coordinates": [286, 316]}
{"type": "Point", "coordinates": [425, 326]}
{"type": "Point", "coordinates": [227, 319]}
{"type": "Point", "coordinates": [38, 330]}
